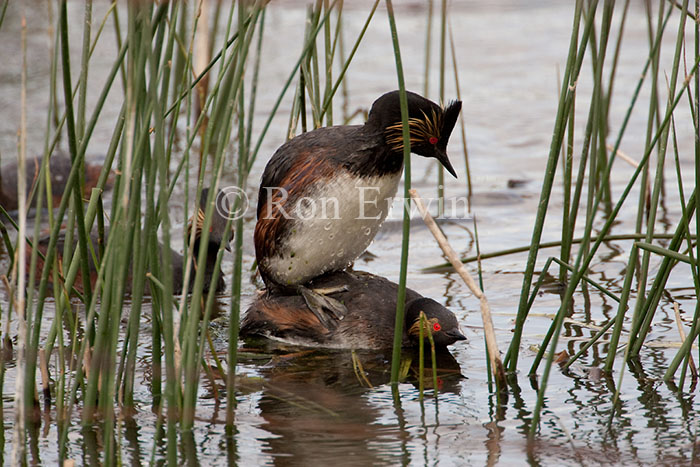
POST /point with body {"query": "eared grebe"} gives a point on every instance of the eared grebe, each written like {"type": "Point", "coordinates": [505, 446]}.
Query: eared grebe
{"type": "Point", "coordinates": [216, 238]}
{"type": "Point", "coordinates": [325, 193]}
{"type": "Point", "coordinates": [368, 323]}
{"type": "Point", "coordinates": [60, 169]}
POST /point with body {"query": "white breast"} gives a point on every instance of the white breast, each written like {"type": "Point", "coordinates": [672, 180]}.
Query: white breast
{"type": "Point", "coordinates": [331, 227]}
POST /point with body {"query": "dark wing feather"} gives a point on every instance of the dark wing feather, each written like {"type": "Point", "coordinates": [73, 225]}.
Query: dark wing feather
{"type": "Point", "coordinates": [277, 167]}
{"type": "Point", "coordinates": [315, 147]}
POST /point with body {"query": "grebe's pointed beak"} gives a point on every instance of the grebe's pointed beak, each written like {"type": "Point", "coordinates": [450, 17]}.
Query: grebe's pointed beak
{"type": "Point", "coordinates": [441, 156]}
{"type": "Point", "coordinates": [456, 335]}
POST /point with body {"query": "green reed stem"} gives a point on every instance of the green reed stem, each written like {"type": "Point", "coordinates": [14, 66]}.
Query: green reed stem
{"type": "Point", "coordinates": [691, 257]}
{"type": "Point", "coordinates": [570, 77]}
{"type": "Point", "coordinates": [310, 65]}
{"type": "Point", "coordinates": [23, 400]}
{"type": "Point", "coordinates": [401, 297]}
{"type": "Point", "coordinates": [445, 267]}
{"type": "Point", "coordinates": [697, 141]}
{"type": "Point", "coordinates": [616, 57]}
{"type": "Point", "coordinates": [190, 352]}
{"type": "Point", "coordinates": [441, 170]}
{"type": "Point", "coordinates": [235, 310]}
{"type": "Point", "coordinates": [3, 11]}
{"type": "Point", "coordinates": [607, 13]}
{"type": "Point", "coordinates": [421, 356]}
{"type": "Point", "coordinates": [635, 342]}
{"type": "Point", "coordinates": [462, 125]}
{"type": "Point", "coordinates": [254, 84]}
{"type": "Point", "coordinates": [328, 60]}
{"type": "Point", "coordinates": [427, 49]}
{"type": "Point", "coordinates": [328, 99]}
{"type": "Point", "coordinates": [674, 255]}
{"type": "Point", "coordinates": [84, 66]}
{"type": "Point", "coordinates": [73, 145]}
{"type": "Point", "coordinates": [306, 50]}
{"type": "Point", "coordinates": [552, 328]}
{"type": "Point", "coordinates": [568, 216]}
{"type": "Point", "coordinates": [653, 61]}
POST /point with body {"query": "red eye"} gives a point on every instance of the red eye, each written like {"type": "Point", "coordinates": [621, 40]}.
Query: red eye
{"type": "Point", "coordinates": [436, 327]}
{"type": "Point", "coordinates": [433, 140]}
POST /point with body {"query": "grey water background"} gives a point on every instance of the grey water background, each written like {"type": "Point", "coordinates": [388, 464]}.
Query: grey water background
{"type": "Point", "coordinates": [308, 407]}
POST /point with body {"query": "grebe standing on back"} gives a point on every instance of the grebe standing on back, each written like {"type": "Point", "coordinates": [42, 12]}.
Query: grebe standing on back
{"type": "Point", "coordinates": [325, 193]}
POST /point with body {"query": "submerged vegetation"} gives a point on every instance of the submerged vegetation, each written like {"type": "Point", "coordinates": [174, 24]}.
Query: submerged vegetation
{"type": "Point", "coordinates": [188, 76]}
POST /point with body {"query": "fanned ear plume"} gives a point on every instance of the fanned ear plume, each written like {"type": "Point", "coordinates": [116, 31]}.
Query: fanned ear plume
{"type": "Point", "coordinates": [196, 221]}
{"type": "Point", "coordinates": [426, 127]}
{"type": "Point", "coordinates": [414, 330]}
{"type": "Point", "coordinates": [438, 124]}
{"type": "Point", "coordinates": [420, 129]}
{"type": "Point", "coordinates": [449, 120]}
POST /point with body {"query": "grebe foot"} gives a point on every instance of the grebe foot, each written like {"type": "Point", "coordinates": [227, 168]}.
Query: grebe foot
{"type": "Point", "coordinates": [328, 310]}
{"type": "Point", "coordinates": [329, 290]}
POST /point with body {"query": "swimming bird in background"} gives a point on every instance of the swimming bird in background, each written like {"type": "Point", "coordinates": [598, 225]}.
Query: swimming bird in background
{"type": "Point", "coordinates": [325, 193]}
{"type": "Point", "coordinates": [216, 238]}
{"type": "Point", "coordinates": [60, 166]}
{"type": "Point", "coordinates": [367, 324]}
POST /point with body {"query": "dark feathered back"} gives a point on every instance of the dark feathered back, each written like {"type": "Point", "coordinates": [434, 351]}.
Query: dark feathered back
{"type": "Point", "coordinates": [368, 324]}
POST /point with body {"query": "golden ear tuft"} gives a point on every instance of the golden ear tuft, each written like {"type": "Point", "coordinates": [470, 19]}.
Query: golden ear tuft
{"type": "Point", "coordinates": [420, 130]}
{"type": "Point", "coordinates": [198, 221]}
{"type": "Point", "coordinates": [414, 330]}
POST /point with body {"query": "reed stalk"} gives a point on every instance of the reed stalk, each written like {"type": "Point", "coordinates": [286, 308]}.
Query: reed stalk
{"type": "Point", "coordinates": [222, 112]}
{"type": "Point", "coordinates": [655, 41]}
{"type": "Point", "coordinates": [444, 267]}
{"type": "Point", "coordinates": [662, 140]}
{"type": "Point", "coordinates": [421, 355]}
{"type": "Point", "coordinates": [690, 259]}
{"type": "Point", "coordinates": [3, 11]}
{"type": "Point", "coordinates": [427, 52]}
{"type": "Point", "coordinates": [401, 294]}
{"type": "Point", "coordinates": [20, 400]}
{"type": "Point", "coordinates": [306, 50]}
{"type": "Point", "coordinates": [424, 332]}
{"type": "Point", "coordinates": [493, 355]}
{"type": "Point", "coordinates": [463, 132]}
{"type": "Point", "coordinates": [340, 80]}
{"type": "Point", "coordinates": [696, 124]}
{"type": "Point", "coordinates": [443, 46]}
{"type": "Point", "coordinates": [568, 83]}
